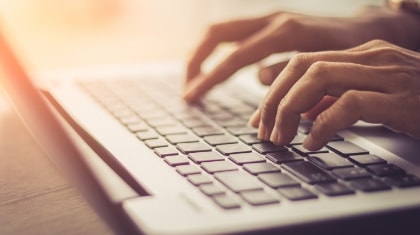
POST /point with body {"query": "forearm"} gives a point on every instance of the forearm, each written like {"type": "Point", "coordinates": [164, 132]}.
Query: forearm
{"type": "Point", "coordinates": [398, 27]}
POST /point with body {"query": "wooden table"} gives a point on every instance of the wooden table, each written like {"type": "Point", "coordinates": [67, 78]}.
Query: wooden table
{"type": "Point", "coordinates": [34, 197]}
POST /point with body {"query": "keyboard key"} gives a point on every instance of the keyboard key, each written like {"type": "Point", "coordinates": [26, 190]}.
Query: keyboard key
{"type": "Point", "coordinates": [238, 181]}
{"type": "Point", "coordinates": [345, 148]}
{"type": "Point", "coordinates": [212, 189]}
{"type": "Point", "coordinates": [296, 193]}
{"type": "Point", "coordinates": [385, 170]}
{"type": "Point", "coordinates": [199, 179]}
{"type": "Point", "coordinates": [304, 152]}
{"type": "Point", "coordinates": [334, 189]}
{"type": "Point", "coordinates": [258, 168]}
{"type": "Point", "coordinates": [367, 159]}
{"type": "Point", "coordinates": [298, 139]}
{"type": "Point", "coordinates": [221, 116]}
{"type": "Point", "coordinates": [284, 156]}
{"type": "Point", "coordinates": [242, 109]}
{"type": "Point", "coordinates": [336, 138]}
{"type": "Point", "coordinates": [176, 160]}
{"type": "Point", "coordinates": [156, 143]}
{"type": "Point", "coordinates": [166, 151]}
{"type": "Point", "coordinates": [209, 108]}
{"type": "Point", "coordinates": [196, 122]}
{"type": "Point", "coordinates": [268, 147]}
{"type": "Point", "coordinates": [232, 122]}
{"type": "Point", "coordinates": [181, 138]}
{"type": "Point", "coordinates": [368, 185]}
{"type": "Point", "coordinates": [137, 127]}
{"type": "Point", "coordinates": [329, 161]}
{"type": "Point", "coordinates": [304, 127]}
{"type": "Point", "coordinates": [171, 130]}
{"type": "Point", "coordinates": [185, 114]}
{"type": "Point", "coordinates": [226, 202]}
{"type": "Point", "coordinates": [258, 198]}
{"type": "Point", "coordinates": [308, 172]}
{"type": "Point", "coordinates": [242, 130]}
{"type": "Point", "coordinates": [147, 135]}
{"type": "Point", "coordinates": [402, 181]}
{"type": "Point", "coordinates": [227, 149]}
{"type": "Point", "coordinates": [188, 170]}
{"type": "Point", "coordinates": [220, 139]}
{"type": "Point", "coordinates": [152, 114]}
{"type": "Point", "coordinates": [160, 122]}
{"type": "Point", "coordinates": [244, 158]}
{"type": "Point", "coordinates": [218, 166]}
{"type": "Point", "coordinates": [131, 120]}
{"type": "Point", "coordinates": [206, 131]}
{"type": "Point", "coordinates": [206, 157]}
{"type": "Point", "coordinates": [187, 148]}
{"type": "Point", "coordinates": [277, 180]}
{"type": "Point", "coordinates": [351, 173]}
{"type": "Point", "coordinates": [250, 139]}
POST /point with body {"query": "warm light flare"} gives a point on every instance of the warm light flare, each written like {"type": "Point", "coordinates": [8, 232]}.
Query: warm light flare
{"type": "Point", "coordinates": [67, 33]}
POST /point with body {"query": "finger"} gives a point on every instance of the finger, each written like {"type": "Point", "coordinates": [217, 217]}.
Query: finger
{"type": "Point", "coordinates": [372, 107]}
{"type": "Point", "coordinates": [268, 74]}
{"type": "Point", "coordinates": [250, 51]}
{"type": "Point", "coordinates": [324, 78]}
{"type": "Point", "coordinates": [224, 32]}
{"type": "Point", "coordinates": [293, 71]}
{"type": "Point", "coordinates": [325, 103]}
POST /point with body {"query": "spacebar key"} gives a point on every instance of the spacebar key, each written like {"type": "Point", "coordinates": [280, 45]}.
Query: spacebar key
{"type": "Point", "coordinates": [238, 181]}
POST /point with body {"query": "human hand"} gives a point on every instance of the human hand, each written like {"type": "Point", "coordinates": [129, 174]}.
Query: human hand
{"type": "Point", "coordinates": [260, 37]}
{"type": "Point", "coordinates": [376, 82]}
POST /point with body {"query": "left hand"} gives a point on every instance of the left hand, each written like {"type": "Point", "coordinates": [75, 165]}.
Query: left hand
{"type": "Point", "coordinates": [377, 82]}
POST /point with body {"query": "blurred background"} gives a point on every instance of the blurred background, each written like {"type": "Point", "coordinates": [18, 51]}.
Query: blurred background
{"type": "Point", "coordinates": [56, 34]}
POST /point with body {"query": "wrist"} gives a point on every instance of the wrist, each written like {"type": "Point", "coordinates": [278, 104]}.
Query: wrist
{"type": "Point", "coordinates": [395, 26]}
{"type": "Point", "coordinates": [412, 6]}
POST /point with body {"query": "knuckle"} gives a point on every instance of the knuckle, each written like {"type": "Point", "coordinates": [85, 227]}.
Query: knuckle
{"type": "Point", "coordinates": [322, 123]}
{"type": "Point", "coordinates": [291, 21]}
{"type": "Point", "coordinates": [213, 29]}
{"type": "Point", "coordinates": [318, 68]}
{"type": "Point", "coordinates": [350, 101]}
{"type": "Point", "coordinates": [284, 107]}
{"type": "Point", "coordinates": [377, 43]}
{"type": "Point", "coordinates": [266, 110]}
{"type": "Point", "coordinates": [388, 55]}
{"type": "Point", "coordinates": [319, 71]}
{"type": "Point", "coordinates": [299, 61]}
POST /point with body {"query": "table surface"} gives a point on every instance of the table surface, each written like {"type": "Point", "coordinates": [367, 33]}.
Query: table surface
{"type": "Point", "coordinates": [34, 197]}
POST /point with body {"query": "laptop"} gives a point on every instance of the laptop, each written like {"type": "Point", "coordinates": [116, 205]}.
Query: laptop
{"type": "Point", "coordinates": [148, 163]}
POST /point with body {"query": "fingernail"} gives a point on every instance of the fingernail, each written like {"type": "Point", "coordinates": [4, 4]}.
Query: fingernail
{"type": "Point", "coordinates": [189, 94]}
{"type": "Point", "coordinates": [265, 76]}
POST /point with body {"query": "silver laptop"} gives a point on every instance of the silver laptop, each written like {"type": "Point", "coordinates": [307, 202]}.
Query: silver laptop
{"type": "Point", "coordinates": [149, 163]}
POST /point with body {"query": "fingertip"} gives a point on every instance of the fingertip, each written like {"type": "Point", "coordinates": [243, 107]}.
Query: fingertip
{"type": "Point", "coordinates": [265, 76]}
{"type": "Point", "coordinates": [190, 94]}
{"type": "Point", "coordinates": [195, 89]}
{"type": "Point", "coordinates": [311, 143]}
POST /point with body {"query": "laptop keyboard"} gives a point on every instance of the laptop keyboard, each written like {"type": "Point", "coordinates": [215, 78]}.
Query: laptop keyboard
{"type": "Point", "coordinates": [210, 145]}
